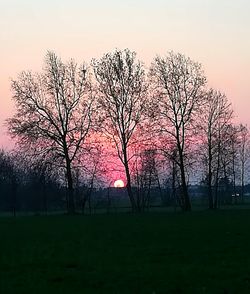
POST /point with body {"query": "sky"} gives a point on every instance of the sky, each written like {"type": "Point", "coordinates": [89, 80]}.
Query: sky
{"type": "Point", "coordinates": [215, 33]}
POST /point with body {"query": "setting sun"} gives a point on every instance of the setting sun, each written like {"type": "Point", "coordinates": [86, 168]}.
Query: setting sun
{"type": "Point", "coordinates": [119, 184]}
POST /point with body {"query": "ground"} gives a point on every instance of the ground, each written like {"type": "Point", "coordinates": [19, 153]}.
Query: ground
{"type": "Point", "coordinates": [198, 252]}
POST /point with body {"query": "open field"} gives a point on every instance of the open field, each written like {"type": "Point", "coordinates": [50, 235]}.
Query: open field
{"type": "Point", "coordinates": [198, 252]}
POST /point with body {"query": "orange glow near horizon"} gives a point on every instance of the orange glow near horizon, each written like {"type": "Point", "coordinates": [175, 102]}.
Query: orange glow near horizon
{"type": "Point", "coordinates": [119, 184]}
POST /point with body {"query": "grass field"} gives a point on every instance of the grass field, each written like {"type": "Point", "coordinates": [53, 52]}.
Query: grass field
{"type": "Point", "coordinates": [199, 252]}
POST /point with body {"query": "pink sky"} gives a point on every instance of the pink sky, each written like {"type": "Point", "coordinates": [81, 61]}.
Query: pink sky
{"type": "Point", "coordinates": [215, 33]}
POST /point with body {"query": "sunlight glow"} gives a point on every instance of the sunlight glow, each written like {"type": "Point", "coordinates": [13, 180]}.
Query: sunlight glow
{"type": "Point", "coordinates": [119, 184]}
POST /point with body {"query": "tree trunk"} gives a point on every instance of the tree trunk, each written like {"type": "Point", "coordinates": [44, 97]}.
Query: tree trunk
{"type": "Point", "coordinates": [70, 189]}
{"type": "Point", "coordinates": [215, 200]}
{"type": "Point", "coordinates": [215, 204]}
{"type": "Point", "coordinates": [128, 186]}
{"type": "Point", "coordinates": [174, 194]}
{"type": "Point", "coordinates": [129, 189]}
{"type": "Point", "coordinates": [210, 195]}
{"type": "Point", "coordinates": [234, 181]}
{"type": "Point", "coordinates": [187, 204]}
{"type": "Point", "coordinates": [242, 183]}
{"type": "Point", "coordinates": [217, 170]}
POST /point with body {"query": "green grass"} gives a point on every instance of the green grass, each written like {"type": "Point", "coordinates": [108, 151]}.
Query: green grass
{"type": "Point", "coordinates": [199, 252]}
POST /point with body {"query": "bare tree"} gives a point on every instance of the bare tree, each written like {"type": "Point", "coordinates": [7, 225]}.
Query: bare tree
{"type": "Point", "coordinates": [145, 176]}
{"type": "Point", "coordinates": [11, 174]}
{"type": "Point", "coordinates": [122, 88]}
{"type": "Point", "coordinates": [90, 174]}
{"type": "Point", "coordinates": [214, 120]}
{"type": "Point", "coordinates": [177, 84]}
{"type": "Point", "coordinates": [41, 172]}
{"type": "Point", "coordinates": [2, 164]}
{"type": "Point", "coordinates": [243, 155]}
{"type": "Point", "coordinates": [234, 149]}
{"type": "Point", "coordinates": [54, 112]}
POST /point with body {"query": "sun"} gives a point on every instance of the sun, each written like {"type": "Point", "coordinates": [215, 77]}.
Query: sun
{"type": "Point", "coordinates": [119, 184]}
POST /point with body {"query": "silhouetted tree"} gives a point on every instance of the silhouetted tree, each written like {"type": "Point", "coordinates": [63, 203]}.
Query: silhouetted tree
{"type": "Point", "coordinates": [233, 155]}
{"type": "Point", "coordinates": [177, 84]}
{"type": "Point", "coordinates": [11, 174]}
{"type": "Point", "coordinates": [214, 119]}
{"type": "Point", "coordinates": [122, 97]}
{"type": "Point", "coordinates": [54, 111]}
{"type": "Point", "coordinates": [243, 155]}
{"type": "Point", "coordinates": [145, 176]}
{"type": "Point", "coordinates": [90, 175]}
{"type": "Point", "coordinates": [41, 175]}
